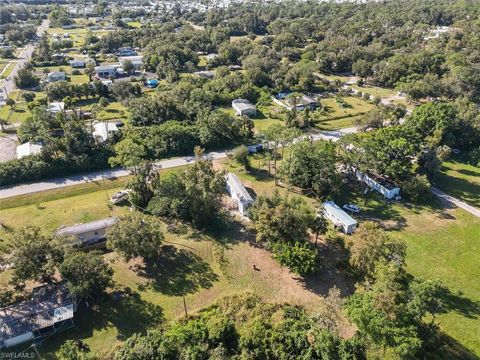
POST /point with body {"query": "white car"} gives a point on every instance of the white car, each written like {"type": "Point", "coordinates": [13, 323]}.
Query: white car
{"type": "Point", "coordinates": [352, 208]}
{"type": "Point", "coordinates": [120, 196]}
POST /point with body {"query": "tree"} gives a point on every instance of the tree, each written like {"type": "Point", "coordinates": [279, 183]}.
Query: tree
{"type": "Point", "coordinates": [90, 71]}
{"type": "Point", "coordinates": [128, 66]}
{"type": "Point", "coordinates": [281, 219]}
{"type": "Point", "coordinates": [240, 155]}
{"type": "Point", "coordinates": [144, 183]}
{"type": "Point", "coordinates": [128, 153]}
{"type": "Point", "coordinates": [3, 123]}
{"type": "Point", "coordinates": [319, 225]}
{"type": "Point", "coordinates": [369, 245]}
{"type": "Point", "coordinates": [11, 103]}
{"type": "Point", "coordinates": [273, 135]}
{"type": "Point", "coordinates": [28, 96]}
{"type": "Point", "coordinates": [136, 235]}
{"type": "Point", "coordinates": [75, 350]}
{"type": "Point", "coordinates": [312, 167]}
{"type": "Point", "coordinates": [86, 273]}
{"type": "Point", "coordinates": [300, 257]}
{"type": "Point", "coordinates": [191, 195]}
{"type": "Point", "coordinates": [34, 257]}
{"type": "Point", "coordinates": [25, 78]}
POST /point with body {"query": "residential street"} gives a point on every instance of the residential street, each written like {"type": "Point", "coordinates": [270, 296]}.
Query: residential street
{"type": "Point", "coordinates": [23, 58]}
{"type": "Point", "coordinates": [113, 173]}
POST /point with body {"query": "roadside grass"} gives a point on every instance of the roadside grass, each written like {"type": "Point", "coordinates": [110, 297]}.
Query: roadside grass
{"type": "Point", "coordinates": [8, 69]}
{"type": "Point", "coordinates": [460, 180]}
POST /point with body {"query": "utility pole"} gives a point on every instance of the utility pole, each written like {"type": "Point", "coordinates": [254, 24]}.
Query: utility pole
{"type": "Point", "coordinates": [185, 307]}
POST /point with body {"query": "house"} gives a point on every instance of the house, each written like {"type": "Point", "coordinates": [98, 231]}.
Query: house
{"type": "Point", "coordinates": [303, 103]}
{"type": "Point", "coordinates": [88, 234]}
{"type": "Point", "coordinates": [377, 183]}
{"type": "Point", "coordinates": [104, 130]}
{"type": "Point", "coordinates": [56, 76]}
{"type": "Point", "coordinates": [238, 193]}
{"type": "Point", "coordinates": [338, 217]}
{"type": "Point", "coordinates": [126, 51]}
{"type": "Point", "coordinates": [106, 71]}
{"type": "Point", "coordinates": [56, 107]}
{"type": "Point", "coordinates": [50, 308]}
{"type": "Point", "coordinates": [28, 149]}
{"type": "Point", "coordinates": [137, 61]}
{"type": "Point", "coordinates": [244, 107]}
{"type": "Point", "coordinates": [77, 64]}
{"type": "Point", "coordinates": [205, 74]}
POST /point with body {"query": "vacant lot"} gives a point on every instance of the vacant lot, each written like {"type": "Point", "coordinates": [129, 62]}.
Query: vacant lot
{"type": "Point", "coordinates": [461, 180]}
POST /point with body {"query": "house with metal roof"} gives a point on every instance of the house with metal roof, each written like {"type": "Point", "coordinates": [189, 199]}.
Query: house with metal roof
{"type": "Point", "coordinates": [244, 107]}
{"type": "Point", "coordinates": [88, 234]}
{"type": "Point", "coordinates": [56, 76]}
{"type": "Point", "coordinates": [106, 71]}
{"type": "Point", "coordinates": [50, 308]}
{"type": "Point", "coordinates": [137, 61]}
{"type": "Point", "coordinates": [378, 183]}
{"type": "Point", "coordinates": [238, 193]}
{"type": "Point", "coordinates": [338, 217]}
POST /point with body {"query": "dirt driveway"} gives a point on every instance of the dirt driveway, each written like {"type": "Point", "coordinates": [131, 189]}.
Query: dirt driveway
{"type": "Point", "coordinates": [8, 147]}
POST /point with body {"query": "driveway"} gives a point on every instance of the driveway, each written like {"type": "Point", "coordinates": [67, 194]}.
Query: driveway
{"type": "Point", "coordinates": [8, 147]}
{"type": "Point", "coordinates": [450, 200]}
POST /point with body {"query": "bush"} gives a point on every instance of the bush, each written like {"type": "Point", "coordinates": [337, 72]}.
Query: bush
{"type": "Point", "coordinates": [474, 157]}
{"type": "Point", "coordinates": [76, 72]}
{"type": "Point", "coordinates": [417, 189]}
{"type": "Point", "coordinates": [301, 258]}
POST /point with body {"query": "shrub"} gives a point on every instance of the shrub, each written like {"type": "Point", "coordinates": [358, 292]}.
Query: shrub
{"type": "Point", "coordinates": [417, 189]}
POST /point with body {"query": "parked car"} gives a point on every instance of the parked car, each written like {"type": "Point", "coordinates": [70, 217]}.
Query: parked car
{"type": "Point", "coordinates": [120, 197]}
{"type": "Point", "coordinates": [252, 149]}
{"type": "Point", "coordinates": [352, 208]}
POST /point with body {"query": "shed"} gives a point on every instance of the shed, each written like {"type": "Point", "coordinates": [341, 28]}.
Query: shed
{"type": "Point", "coordinates": [77, 63]}
{"type": "Point", "coordinates": [88, 234]}
{"type": "Point", "coordinates": [244, 107]}
{"type": "Point", "coordinates": [56, 107]}
{"type": "Point", "coordinates": [238, 193]}
{"type": "Point", "coordinates": [28, 149]}
{"type": "Point", "coordinates": [56, 76]}
{"type": "Point", "coordinates": [104, 130]}
{"type": "Point", "coordinates": [50, 308]}
{"type": "Point", "coordinates": [338, 217]}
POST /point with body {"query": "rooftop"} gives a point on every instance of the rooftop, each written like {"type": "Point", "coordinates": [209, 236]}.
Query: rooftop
{"type": "Point", "coordinates": [84, 228]}
{"type": "Point", "coordinates": [237, 187]}
{"type": "Point", "coordinates": [334, 209]}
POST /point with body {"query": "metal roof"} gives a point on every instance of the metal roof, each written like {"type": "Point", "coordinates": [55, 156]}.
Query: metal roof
{"type": "Point", "coordinates": [84, 228]}
{"type": "Point", "coordinates": [341, 215]}
{"type": "Point", "coordinates": [237, 187]}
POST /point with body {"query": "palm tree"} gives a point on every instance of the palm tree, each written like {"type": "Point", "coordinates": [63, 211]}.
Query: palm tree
{"type": "Point", "coordinates": [319, 225]}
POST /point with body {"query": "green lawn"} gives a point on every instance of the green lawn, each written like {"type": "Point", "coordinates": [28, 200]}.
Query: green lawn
{"type": "Point", "coordinates": [461, 180]}
{"type": "Point", "coordinates": [376, 91]}
{"type": "Point", "coordinates": [8, 70]}
{"type": "Point", "coordinates": [336, 117]}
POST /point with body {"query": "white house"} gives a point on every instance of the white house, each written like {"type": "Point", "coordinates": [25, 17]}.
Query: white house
{"type": "Point", "coordinates": [244, 107]}
{"type": "Point", "coordinates": [338, 217]}
{"type": "Point", "coordinates": [238, 193]}
{"type": "Point", "coordinates": [56, 76]}
{"type": "Point", "coordinates": [28, 149]}
{"type": "Point", "coordinates": [104, 130]}
{"type": "Point", "coordinates": [77, 64]}
{"type": "Point", "coordinates": [388, 190]}
{"type": "Point", "coordinates": [51, 307]}
{"type": "Point", "coordinates": [89, 233]}
{"type": "Point", "coordinates": [56, 107]}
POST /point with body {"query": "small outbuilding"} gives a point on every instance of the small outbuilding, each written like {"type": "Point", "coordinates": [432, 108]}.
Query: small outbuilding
{"type": "Point", "coordinates": [50, 309]}
{"type": "Point", "coordinates": [238, 193]}
{"type": "Point", "coordinates": [28, 149]}
{"type": "Point", "coordinates": [244, 107]}
{"type": "Point", "coordinates": [56, 107]}
{"type": "Point", "coordinates": [338, 217]}
{"type": "Point", "coordinates": [88, 234]}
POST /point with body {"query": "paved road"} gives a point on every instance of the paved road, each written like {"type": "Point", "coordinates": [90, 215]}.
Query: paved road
{"type": "Point", "coordinates": [114, 173]}
{"type": "Point", "coordinates": [23, 58]}
{"type": "Point", "coordinates": [454, 201]}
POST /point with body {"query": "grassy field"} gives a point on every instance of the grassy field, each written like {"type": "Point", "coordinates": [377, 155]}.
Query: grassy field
{"type": "Point", "coordinates": [461, 180]}
{"type": "Point", "coordinates": [336, 117]}
{"type": "Point", "coordinates": [7, 70]}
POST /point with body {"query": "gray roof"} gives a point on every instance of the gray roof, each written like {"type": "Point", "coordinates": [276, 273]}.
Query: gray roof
{"type": "Point", "coordinates": [107, 67]}
{"type": "Point", "coordinates": [237, 186]}
{"type": "Point", "coordinates": [243, 104]}
{"type": "Point", "coordinates": [84, 228]}
{"type": "Point", "coordinates": [333, 208]}
{"type": "Point", "coordinates": [49, 304]}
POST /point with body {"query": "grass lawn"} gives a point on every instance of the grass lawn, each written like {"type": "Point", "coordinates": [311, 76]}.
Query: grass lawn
{"type": "Point", "coordinates": [461, 180]}
{"type": "Point", "coordinates": [335, 117]}
{"type": "Point", "coordinates": [376, 91]}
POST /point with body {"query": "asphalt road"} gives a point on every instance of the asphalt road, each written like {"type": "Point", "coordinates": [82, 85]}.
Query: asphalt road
{"type": "Point", "coordinates": [23, 58]}
{"type": "Point", "coordinates": [58, 183]}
